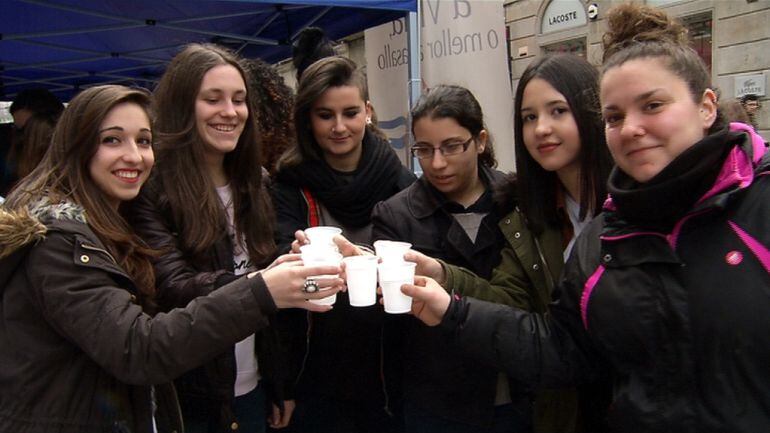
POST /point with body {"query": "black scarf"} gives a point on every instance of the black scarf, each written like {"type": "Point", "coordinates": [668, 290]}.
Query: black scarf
{"type": "Point", "coordinates": [350, 197]}
{"type": "Point", "coordinates": [663, 200]}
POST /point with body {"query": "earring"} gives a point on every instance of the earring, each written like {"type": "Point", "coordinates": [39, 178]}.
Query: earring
{"type": "Point", "coordinates": [368, 120]}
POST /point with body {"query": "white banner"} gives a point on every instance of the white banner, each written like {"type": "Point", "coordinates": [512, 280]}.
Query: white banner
{"type": "Point", "coordinates": [463, 42]}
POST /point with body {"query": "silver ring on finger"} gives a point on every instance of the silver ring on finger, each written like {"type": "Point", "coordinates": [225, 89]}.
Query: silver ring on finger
{"type": "Point", "coordinates": [310, 286]}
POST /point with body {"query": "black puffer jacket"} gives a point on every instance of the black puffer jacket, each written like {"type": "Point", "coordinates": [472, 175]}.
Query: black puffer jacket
{"type": "Point", "coordinates": [680, 318]}
{"type": "Point", "coordinates": [416, 215]}
{"type": "Point", "coordinates": [182, 277]}
{"type": "Point", "coordinates": [78, 354]}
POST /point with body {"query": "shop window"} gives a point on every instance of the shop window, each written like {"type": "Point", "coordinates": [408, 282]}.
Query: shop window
{"type": "Point", "coordinates": [700, 29]}
{"type": "Point", "coordinates": [574, 46]}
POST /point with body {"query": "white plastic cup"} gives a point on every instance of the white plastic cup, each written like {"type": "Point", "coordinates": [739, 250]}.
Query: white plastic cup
{"type": "Point", "coordinates": [392, 276]}
{"type": "Point", "coordinates": [319, 256]}
{"type": "Point", "coordinates": [391, 251]}
{"type": "Point", "coordinates": [361, 277]}
{"type": "Point", "coordinates": [322, 235]}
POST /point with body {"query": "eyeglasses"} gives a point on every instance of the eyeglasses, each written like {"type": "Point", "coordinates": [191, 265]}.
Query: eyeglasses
{"type": "Point", "coordinates": [426, 152]}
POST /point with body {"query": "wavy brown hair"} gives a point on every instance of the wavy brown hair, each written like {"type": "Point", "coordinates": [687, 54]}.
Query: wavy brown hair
{"type": "Point", "coordinates": [639, 32]}
{"type": "Point", "coordinates": [63, 175]}
{"type": "Point", "coordinates": [196, 208]}
{"type": "Point", "coordinates": [274, 102]}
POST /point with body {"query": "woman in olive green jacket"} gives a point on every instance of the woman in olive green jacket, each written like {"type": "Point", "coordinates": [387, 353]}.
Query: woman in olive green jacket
{"type": "Point", "coordinates": [562, 167]}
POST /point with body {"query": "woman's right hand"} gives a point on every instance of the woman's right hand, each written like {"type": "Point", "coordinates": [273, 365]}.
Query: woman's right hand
{"type": "Point", "coordinates": [286, 280]}
{"type": "Point", "coordinates": [429, 300]}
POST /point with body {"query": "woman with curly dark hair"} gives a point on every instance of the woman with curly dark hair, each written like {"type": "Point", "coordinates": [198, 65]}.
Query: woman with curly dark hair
{"type": "Point", "coordinates": [275, 118]}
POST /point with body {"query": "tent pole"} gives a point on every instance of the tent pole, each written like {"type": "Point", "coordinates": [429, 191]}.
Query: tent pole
{"type": "Point", "coordinates": [414, 82]}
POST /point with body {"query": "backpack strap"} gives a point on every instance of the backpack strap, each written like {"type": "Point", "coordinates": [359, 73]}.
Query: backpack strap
{"type": "Point", "coordinates": [313, 219]}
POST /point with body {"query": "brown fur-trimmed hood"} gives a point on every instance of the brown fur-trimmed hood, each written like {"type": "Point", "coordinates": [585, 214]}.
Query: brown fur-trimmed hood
{"type": "Point", "coordinates": [19, 228]}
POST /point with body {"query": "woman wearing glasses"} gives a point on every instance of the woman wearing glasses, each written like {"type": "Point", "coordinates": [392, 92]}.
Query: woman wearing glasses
{"type": "Point", "coordinates": [449, 213]}
{"type": "Point", "coordinates": [562, 167]}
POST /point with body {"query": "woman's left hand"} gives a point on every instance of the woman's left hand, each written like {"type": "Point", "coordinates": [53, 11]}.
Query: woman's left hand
{"type": "Point", "coordinates": [284, 258]}
{"type": "Point", "coordinates": [281, 418]}
{"type": "Point", "coordinates": [299, 239]}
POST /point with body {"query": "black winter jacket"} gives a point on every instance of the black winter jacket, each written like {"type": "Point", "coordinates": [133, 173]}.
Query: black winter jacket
{"type": "Point", "coordinates": [182, 277]}
{"type": "Point", "coordinates": [680, 318]}
{"type": "Point", "coordinates": [416, 215]}
{"type": "Point", "coordinates": [339, 354]}
{"type": "Point", "coordinates": [78, 354]}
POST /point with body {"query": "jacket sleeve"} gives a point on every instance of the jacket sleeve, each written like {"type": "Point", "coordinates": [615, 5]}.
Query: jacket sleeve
{"type": "Point", "coordinates": [550, 350]}
{"type": "Point", "coordinates": [178, 282]}
{"type": "Point", "coordinates": [85, 304]}
{"type": "Point", "coordinates": [384, 223]}
{"type": "Point", "coordinates": [291, 214]}
{"type": "Point", "coordinates": [508, 285]}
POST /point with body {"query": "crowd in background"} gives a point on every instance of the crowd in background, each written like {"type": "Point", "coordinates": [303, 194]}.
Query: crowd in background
{"type": "Point", "coordinates": [151, 278]}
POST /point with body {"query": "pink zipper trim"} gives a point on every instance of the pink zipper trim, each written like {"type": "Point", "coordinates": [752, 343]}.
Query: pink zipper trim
{"type": "Point", "coordinates": [760, 251]}
{"type": "Point", "coordinates": [586, 295]}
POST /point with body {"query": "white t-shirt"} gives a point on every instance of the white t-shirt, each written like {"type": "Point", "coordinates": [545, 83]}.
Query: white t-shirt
{"type": "Point", "coordinates": [245, 360]}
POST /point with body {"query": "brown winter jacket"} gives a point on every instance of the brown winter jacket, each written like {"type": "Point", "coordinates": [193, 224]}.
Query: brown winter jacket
{"type": "Point", "coordinates": [78, 353]}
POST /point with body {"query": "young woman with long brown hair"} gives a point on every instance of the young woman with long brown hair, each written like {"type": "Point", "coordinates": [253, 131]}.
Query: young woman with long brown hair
{"type": "Point", "coordinates": [207, 207]}
{"type": "Point", "coordinates": [82, 351]}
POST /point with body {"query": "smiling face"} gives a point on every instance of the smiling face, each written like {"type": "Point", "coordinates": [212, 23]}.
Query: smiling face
{"type": "Point", "coordinates": [453, 175]}
{"type": "Point", "coordinates": [650, 116]}
{"type": "Point", "coordinates": [221, 110]}
{"type": "Point", "coordinates": [124, 157]}
{"type": "Point", "coordinates": [550, 133]}
{"type": "Point", "coordinates": [338, 118]}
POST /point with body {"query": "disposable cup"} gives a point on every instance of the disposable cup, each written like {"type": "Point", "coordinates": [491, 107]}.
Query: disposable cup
{"type": "Point", "coordinates": [322, 235]}
{"type": "Point", "coordinates": [361, 277]}
{"type": "Point", "coordinates": [392, 276]}
{"type": "Point", "coordinates": [321, 257]}
{"type": "Point", "coordinates": [391, 251]}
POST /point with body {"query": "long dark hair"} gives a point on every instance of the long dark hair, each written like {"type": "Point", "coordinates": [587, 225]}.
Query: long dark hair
{"type": "Point", "coordinates": [638, 31]}
{"type": "Point", "coordinates": [195, 205]}
{"type": "Point", "coordinates": [63, 175]}
{"type": "Point", "coordinates": [326, 73]}
{"type": "Point", "coordinates": [457, 103]}
{"type": "Point", "coordinates": [577, 80]}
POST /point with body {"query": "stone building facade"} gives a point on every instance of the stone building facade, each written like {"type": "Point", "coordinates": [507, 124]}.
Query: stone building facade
{"type": "Point", "coordinates": [732, 36]}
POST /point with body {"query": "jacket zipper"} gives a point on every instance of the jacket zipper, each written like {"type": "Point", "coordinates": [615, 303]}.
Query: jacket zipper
{"type": "Point", "coordinates": [546, 268]}
{"type": "Point", "coordinates": [89, 247]}
{"type": "Point", "coordinates": [309, 319]}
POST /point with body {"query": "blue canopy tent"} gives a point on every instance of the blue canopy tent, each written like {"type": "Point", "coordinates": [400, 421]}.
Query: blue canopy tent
{"type": "Point", "coordinates": [65, 45]}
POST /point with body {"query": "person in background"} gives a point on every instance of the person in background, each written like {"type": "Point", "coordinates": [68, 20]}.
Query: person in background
{"type": "Point", "coordinates": [274, 102]}
{"type": "Point", "coordinates": [41, 109]}
{"type": "Point", "coordinates": [752, 105]}
{"type": "Point", "coordinates": [668, 288]}
{"type": "Point", "coordinates": [208, 209]}
{"type": "Point", "coordinates": [734, 112]}
{"type": "Point", "coordinates": [310, 46]}
{"type": "Point", "coordinates": [83, 350]}
{"type": "Point", "coordinates": [338, 170]}
{"type": "Point", "coordinates": [450, 213]}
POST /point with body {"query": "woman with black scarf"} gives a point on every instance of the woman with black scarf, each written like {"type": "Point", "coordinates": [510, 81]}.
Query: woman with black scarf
{"type": "Point", "coordinates": [340, 168]}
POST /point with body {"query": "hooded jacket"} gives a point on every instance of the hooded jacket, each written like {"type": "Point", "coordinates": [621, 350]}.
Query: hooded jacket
{"type": "Point", "coordinates": [78, 353]}
{"type": "Point", "coordinates": [679, 318]}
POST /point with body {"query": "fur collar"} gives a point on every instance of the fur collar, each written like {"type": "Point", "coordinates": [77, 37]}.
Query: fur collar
{"type": "Point", "coordinates": [29, 224]}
